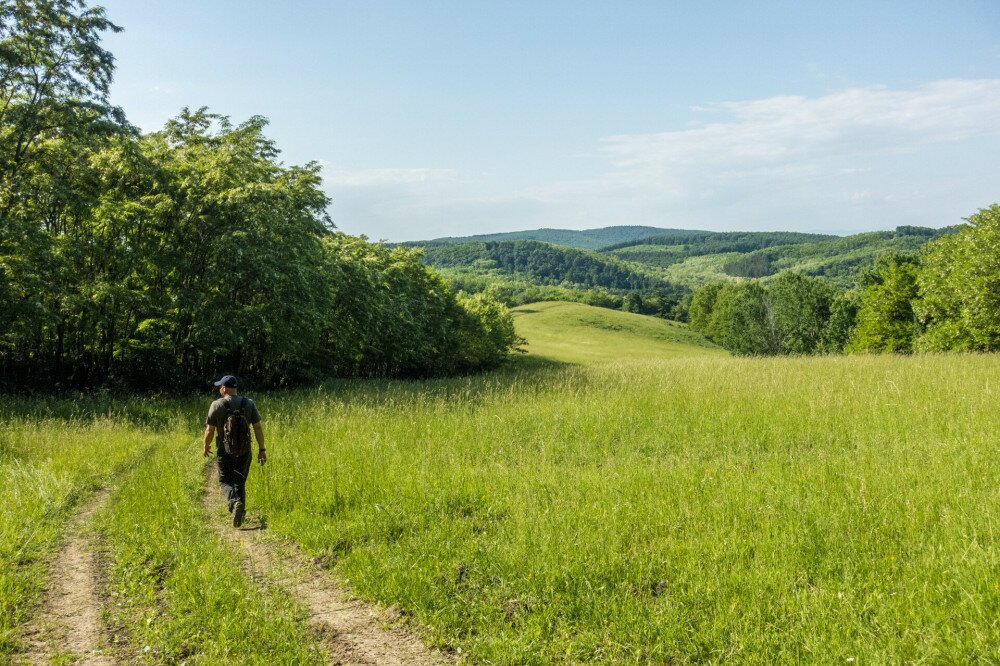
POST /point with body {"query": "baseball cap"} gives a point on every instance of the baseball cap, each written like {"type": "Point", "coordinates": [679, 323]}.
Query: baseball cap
{"type": "Point", "coordinates": [229, 381]}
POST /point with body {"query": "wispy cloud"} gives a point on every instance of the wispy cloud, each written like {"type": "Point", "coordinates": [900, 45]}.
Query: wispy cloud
{"type": "Point", "coordinates": [853, 121]}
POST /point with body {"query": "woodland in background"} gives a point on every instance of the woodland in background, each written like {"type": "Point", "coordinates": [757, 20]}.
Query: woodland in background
{"type": "Point", "coordinates": [163, 259]}
{"type": "Point", "coordinates": [946, 297]}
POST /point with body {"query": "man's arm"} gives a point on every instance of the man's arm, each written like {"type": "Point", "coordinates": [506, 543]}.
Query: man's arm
{"type": "Point", "coordinates": [208, 437]}
{"type": "Point", "coordinates": [258, 433]}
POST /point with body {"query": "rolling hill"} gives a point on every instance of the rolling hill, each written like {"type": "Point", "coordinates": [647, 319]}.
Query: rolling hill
{"type": "Point", "coordinates": [583, 334]}
{"type": "Point", "coordinates": [672, 258]}
{"type": "Point", "coordinates": [697, 259]}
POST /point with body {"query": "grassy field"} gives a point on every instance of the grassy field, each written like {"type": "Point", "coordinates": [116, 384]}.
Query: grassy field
{"type": "Point", "coordinates": [626, 493]}
{"type": "Point", "coordinates": [581, 334]}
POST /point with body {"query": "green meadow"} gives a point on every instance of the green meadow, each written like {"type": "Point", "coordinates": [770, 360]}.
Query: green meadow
{"type": "Point", "coordinates": [624, 492]}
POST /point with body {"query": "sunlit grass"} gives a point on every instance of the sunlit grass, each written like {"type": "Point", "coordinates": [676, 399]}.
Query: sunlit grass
{"type": "Point", "coordinates": [654, 502]}
{"type": "Point", "coordinates": [688, 510]}
{"type": "Point", "coordinates": [582, 334]}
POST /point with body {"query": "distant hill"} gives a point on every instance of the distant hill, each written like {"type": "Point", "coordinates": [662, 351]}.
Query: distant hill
{"type": "Point", "coordinates": [699, 258]}
{"type": "Point", "coordinates": [541, 262]}
{"type": "Point", "coordinates": [577, 333]}
{"type": "Point", "coordinates": [659, 267]}
{"type": "Point", "coordinates": [587, 239]}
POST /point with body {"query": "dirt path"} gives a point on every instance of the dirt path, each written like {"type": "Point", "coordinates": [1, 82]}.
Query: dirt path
{"type": "Point", "coordinates": [352, 631]}
{"type": "Point", "coordinates": [68, 621]}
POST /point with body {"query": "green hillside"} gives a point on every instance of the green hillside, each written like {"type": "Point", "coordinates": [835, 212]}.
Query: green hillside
{"type": "Point", "coordinates": [541, 262]}
{"type": "Point", "coordinates": [587, 239]}
{"type": "Point", "coordinates": [700, 258]}
{"type": "Point", "coordinates": [672, 259]}
{"type": "Point", "coordinates": [577, 333]}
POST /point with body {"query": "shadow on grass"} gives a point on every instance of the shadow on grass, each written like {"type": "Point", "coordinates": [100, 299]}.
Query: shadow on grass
{"type": "Point", "coordinates": [151, 411]}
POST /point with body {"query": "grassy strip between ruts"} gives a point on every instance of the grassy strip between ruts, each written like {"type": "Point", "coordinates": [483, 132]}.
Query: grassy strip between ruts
{"type": "Point", "coordinates": [178, 595]}
{"type": "Point", "coordinates": [48, 465]}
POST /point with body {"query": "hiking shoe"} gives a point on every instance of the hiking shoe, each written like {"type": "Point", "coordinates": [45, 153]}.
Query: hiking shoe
{"type": "Point", "coordinates": [238, 512]}
{"type": "Point", "coordinates": [231, 505]}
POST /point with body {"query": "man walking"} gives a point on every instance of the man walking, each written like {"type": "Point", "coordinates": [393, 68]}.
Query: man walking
{"type": "Point", "coordinates": [233, 415]}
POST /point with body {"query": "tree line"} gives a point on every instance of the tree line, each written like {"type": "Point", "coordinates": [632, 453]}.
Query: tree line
{"type": "Point", "coordinates": [160, 259]}
{"type": "Point", "coordinates": [946, 297]}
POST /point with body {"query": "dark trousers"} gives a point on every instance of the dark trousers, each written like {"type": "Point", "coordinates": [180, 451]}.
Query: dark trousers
{"type": "Point", "coordinates": [233, 473]}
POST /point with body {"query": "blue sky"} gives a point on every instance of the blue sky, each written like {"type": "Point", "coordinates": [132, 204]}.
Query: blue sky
{"type": "Point", "coordinates": [454, 118]}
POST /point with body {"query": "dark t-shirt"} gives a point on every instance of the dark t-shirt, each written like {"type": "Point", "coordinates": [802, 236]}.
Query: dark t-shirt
{"type": "Point", "coordinates": [217, 413]}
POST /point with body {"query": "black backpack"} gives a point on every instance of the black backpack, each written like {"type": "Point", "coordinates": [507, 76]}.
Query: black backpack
{"type": "Point", "coordinates": [236, 429]}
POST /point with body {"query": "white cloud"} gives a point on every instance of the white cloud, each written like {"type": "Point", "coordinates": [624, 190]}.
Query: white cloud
{"type": "Point", "coordinates": [784, 128]}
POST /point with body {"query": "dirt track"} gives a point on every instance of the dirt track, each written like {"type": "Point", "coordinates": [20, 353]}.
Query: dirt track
{"type": "Point", "coordinates": [68, 621]}
{"type": "Point", "coordinates": [352, 631]}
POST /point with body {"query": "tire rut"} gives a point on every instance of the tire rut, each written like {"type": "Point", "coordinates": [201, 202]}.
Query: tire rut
{"type": "Point", "coordinates": [352, 631]}
{"type": "Point", "coordinates": [68, 623]}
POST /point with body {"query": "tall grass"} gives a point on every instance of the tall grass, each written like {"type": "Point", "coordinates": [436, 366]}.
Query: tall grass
{"type": "Point", "coordinates": [683, 509]}
{"type": "Point", "coordinates": [690, 510]}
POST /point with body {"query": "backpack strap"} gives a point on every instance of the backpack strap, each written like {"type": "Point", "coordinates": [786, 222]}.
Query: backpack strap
{"type": "Point", "coordinates": [243, 405]}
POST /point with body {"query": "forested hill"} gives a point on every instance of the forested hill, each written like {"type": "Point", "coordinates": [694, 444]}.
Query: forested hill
{"type": "Point", "coordinates": [586, 239]}
{"type": "Point", "coordinates": [703, 257]}
{"type": "Point", "coordinates": [540, 262]}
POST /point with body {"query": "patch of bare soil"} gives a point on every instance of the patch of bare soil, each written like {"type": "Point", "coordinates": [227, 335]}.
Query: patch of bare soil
{"type": "Point", "coordinates": [352, 631]}
{"type": "Point", "coordinates": [67, 624]}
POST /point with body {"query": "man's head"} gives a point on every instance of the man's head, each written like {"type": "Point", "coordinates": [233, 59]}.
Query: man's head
{"type": "Point", "coordinates": [228, 385]}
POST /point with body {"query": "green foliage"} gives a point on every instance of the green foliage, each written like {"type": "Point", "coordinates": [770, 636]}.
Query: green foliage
{"type": "Point", "coordinates": [843, 315]}
{"type": "Point", "coordinates": [702, 305]}
{"type": "Point", "coordinates": [742, 320]}
{"type": "Point", "coordinates": [948, 299]}
{"type": "Point", "coordinates": [161, 260]}
{"type": "Point", "coordinates": [886, 321]}
{"type": "Point", "coordinates": [800, 308]}
{"type": "Point", "coordinates": [632, 303]}
{"type": "Point", "coordinates": [959, 284]}
{"type": "Point", "coordinates": [693, 243]}
{"type": "Point", "coordinates": [788, 315]}
{"type": "Point", "coordinates": [393, 316]}
{"type": "Point", "coordinates": [514, 289]}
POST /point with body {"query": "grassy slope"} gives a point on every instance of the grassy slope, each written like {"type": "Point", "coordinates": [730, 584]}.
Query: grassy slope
{"type": "Point", "coordinates": [577, 333]}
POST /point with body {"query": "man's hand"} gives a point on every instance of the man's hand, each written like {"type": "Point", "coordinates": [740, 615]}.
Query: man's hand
{"type": "Point", "coordinates": [258, 433]}
{"type": "Point", "coordinates": [207, 438]}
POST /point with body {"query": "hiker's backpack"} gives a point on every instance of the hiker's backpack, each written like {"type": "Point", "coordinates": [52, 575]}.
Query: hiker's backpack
{"type": "Point", "coordinates": [236, 429]}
